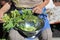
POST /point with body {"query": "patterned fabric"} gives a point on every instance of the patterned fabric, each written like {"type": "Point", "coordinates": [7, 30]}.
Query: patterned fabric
{"type": "Point", "coordinates": [27, 3]}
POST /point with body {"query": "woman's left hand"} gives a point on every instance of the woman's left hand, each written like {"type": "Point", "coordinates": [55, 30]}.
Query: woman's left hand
{"type": "Point", "coordinates": [37, 10]}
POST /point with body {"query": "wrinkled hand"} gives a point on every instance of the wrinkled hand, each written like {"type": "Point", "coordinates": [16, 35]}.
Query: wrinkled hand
{"type": "Point", "coordinates": [37, 10]}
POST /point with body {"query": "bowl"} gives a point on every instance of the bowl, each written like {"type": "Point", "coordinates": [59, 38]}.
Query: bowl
{"type": "Point", "coordinates": [29, 28]}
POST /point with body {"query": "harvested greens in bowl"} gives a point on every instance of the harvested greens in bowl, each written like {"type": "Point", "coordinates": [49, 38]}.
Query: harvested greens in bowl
{"type": "Point", "coordinates": [23, 20]}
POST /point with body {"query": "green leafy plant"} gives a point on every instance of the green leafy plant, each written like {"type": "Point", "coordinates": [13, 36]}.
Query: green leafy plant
{"type": "Point", "coordinates": [12, 19]}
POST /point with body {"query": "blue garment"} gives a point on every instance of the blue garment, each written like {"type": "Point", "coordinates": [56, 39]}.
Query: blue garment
{"type": "Point", "coordinates": [44, 16]}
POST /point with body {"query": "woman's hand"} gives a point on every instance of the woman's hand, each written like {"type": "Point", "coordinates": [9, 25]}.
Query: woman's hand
{"type": "Point", "coordinates": [3, 10]}
{"type": "Point", "coordinates": [37, 9]}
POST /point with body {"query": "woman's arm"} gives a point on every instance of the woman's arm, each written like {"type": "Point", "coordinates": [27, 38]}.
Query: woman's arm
{"type": "Point", "coordinates": [44, 3]}
{"type": "Point", "coordinates": [4, 9]}
{"type": "Point", "coordinates": [38, 8]}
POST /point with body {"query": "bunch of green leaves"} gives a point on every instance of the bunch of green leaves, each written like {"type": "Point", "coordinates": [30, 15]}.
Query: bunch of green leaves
{"type": "Point", "coordinates": [12, 19]}
{"type": "Point", "coordinates": [28, 15]}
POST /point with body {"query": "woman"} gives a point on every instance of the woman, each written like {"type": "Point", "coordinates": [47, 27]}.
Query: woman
{"type": "Point", "coordinates": [37, 6]}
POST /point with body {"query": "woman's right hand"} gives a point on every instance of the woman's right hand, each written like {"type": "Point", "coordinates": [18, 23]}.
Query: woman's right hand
{"type": "Point", "coordinates": [3, 10]}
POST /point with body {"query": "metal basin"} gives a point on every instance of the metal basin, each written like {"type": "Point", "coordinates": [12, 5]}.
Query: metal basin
{"type": "Point", "coordinates": [29, 28]}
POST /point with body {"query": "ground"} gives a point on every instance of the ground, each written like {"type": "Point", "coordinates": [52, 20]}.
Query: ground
{"type": "Point", "coordinates": [56, 38]}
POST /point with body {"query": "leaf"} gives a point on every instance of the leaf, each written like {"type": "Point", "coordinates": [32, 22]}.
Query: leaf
{"type": "Point", "coordinates": [8, 26]}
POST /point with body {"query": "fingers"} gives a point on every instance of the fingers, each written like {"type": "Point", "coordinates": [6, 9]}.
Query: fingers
{"type": "Point", "coordinates": [1, 17]}
{"type": "Point", "coordinates": [1, 21]}
{"type": "Point", "coordinates": [34, 9]}
{"type": "Point", "coordinates": [37, 10]}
